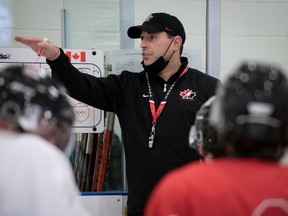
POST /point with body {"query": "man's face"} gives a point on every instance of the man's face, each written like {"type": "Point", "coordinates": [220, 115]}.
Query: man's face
{"type": "Point", "coordinates": [154, 45]}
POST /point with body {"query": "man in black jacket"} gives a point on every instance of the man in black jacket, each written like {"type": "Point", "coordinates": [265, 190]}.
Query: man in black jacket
{"type": "Point", "coordinates": [155, 107]}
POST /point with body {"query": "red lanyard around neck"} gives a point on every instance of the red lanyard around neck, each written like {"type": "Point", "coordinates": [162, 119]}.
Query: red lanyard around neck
{"type": "Point", "coordinates": [156, 114]}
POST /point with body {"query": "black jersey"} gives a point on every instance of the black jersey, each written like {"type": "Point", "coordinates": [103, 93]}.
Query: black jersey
{"type": "Point", "coordinates": [127, 96]}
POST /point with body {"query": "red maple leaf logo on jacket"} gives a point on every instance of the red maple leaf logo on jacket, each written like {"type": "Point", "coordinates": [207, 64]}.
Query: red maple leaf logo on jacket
{"type": "Point", "coordinates": [187, 94]}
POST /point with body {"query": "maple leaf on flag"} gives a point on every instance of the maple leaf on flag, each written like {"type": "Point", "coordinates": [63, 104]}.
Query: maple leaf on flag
{"type": "Point", "coordinates": [75, 56]}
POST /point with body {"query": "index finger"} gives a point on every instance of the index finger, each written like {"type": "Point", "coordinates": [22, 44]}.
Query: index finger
{"type": "Point", "coordinates": [27, 40]}
{"type": "Point", "coordinates": [31, 42]}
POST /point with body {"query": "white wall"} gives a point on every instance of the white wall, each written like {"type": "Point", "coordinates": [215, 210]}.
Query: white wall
{"type": "Point", "coordinates": [30, 18]}
{"type": "Point", "coordinates": [254, 30]}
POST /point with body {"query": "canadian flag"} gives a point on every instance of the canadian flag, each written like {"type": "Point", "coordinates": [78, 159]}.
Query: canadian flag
{"type": "Point", "coordinates": [76, 56]}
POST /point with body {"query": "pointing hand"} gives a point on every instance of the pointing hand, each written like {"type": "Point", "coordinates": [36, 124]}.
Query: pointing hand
{"type": "Point", "coordinates": [50, 51]}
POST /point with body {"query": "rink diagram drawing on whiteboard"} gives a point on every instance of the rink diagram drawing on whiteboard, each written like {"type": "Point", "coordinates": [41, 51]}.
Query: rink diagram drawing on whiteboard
{"type": "Point", "coordinates": [88, 119]}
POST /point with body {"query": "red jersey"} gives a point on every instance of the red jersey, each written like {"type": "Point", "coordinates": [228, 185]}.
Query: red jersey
{"type": "Point", "coordinates": [225, 187]}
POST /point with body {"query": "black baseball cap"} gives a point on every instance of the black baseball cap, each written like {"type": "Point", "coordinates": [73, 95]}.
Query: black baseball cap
{"type": "Point", "coordinates": [159, 22]}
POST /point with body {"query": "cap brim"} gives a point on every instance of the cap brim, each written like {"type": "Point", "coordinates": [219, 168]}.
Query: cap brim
{"type": "Point", "coordinates": [135, 31]}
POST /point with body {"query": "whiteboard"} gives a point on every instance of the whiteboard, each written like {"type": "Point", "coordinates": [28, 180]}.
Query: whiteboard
{"type": "Point", "coordinates": [87, 119]}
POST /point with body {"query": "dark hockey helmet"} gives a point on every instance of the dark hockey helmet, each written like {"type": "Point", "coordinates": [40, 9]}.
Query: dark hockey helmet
{"type": "Point", "coordinates": [252, 107]}
{"type": "Point", "coordinates": [34, 102]}
{"type": "Point", "coordinates": [203, 135]}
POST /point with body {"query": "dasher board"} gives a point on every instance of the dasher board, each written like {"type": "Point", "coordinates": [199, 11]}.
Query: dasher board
{"type": "Point", "coordinates": [88, 119]}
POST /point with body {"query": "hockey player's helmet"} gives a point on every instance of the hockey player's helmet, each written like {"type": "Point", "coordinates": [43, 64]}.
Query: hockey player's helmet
{"type": "Point", "coordinates": [34, 102]}
{"type": "Point", "coordinates": [252, 107]}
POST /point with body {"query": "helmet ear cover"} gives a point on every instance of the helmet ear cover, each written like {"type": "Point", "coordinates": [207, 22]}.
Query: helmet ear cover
{"type": "Point", "coordinates": [204, 134]}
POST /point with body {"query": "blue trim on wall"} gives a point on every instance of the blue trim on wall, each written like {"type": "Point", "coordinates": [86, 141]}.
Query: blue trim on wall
{"type": "Point", "coordinates": [106, 193]}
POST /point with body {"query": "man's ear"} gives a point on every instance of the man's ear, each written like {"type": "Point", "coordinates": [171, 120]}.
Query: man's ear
{"type": "Point", "coordinates": [177, 43]}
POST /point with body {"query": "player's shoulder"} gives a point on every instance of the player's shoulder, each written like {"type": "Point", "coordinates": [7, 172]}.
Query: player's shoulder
{"type": "Point", "coordinates": [195, 171]}
{"type": "Point", "coordinates": [38, 147]}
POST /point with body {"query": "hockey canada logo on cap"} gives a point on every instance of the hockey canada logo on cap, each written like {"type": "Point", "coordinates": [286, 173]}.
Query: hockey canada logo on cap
{"type": "Point", "coordinates": [148, 18]}
{"type": "Point", "coordinates": [187, 94]}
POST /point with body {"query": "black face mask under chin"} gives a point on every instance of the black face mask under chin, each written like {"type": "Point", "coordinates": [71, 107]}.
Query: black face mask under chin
{"type": "Point", "coordinates": [157, 66]}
